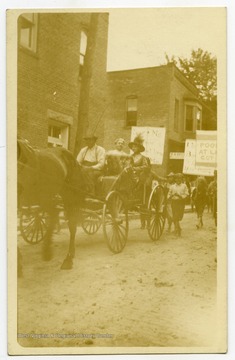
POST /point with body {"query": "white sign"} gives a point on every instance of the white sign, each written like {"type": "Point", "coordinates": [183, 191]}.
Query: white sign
{"type": "Point", "coordinates": [190, 166]}
{"type": "Point", "coordinates": [177, 155]}
{"type": "Point", "coordinates": [154, 140]}
{"type": "Point", "coordinates": [206, 148]}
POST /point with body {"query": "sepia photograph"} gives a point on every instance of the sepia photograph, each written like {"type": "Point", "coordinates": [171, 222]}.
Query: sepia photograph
{"type": "Point", "coordinates": [117, 181]}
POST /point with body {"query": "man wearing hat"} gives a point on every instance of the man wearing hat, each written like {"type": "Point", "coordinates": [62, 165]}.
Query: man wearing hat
{"type": "Point", "coordinates": [92, 160]}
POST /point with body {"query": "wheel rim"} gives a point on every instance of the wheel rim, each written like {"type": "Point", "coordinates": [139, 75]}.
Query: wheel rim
{"type": "Point", "coordinates": [115, 222]}
{"type": "Point", "coordinates": [91, 223]}
{"type": "Point", "coordinates": [33, 226]}
{"type": "Point", "coordinates": [156, 213]}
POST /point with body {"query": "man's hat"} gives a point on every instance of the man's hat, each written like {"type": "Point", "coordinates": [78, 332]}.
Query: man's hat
{"type": "Point", "coordinates": [90, 135]}
{"type": "Point", "coordinates": [138, 141]}
{"type": "Point", "coordinates": [171, 174]}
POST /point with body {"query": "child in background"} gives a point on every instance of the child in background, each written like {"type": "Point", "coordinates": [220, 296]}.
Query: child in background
{"type": "Point", "coordinates": [178, 192]}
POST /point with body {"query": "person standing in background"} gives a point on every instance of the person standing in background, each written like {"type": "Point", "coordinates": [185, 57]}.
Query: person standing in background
{"type": "Point", "coordinates": [169, 215]}
{"type": "Point", "coordinates": [178, 192]}
{"type": "Point", "coordinates": [200, 199]}
{"type": "Point", "coordinates": [212, 193]}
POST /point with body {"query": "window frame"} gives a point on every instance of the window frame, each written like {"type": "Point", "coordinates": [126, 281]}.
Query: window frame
{"type": "Point", "coordinates": [176, 115]}
{"type": "Point", "coordinates": [62, 141]}
{"type": "Point", "coordinates": [81, 53]}
{"type": "Point", "coordinates": [199, 110]}
{"type": "Point", "coordinates": [33, 36]}
{"type": "Point", "coordinates": [129, 122]}
{"type": "Point", "coordinates": [196, 108]}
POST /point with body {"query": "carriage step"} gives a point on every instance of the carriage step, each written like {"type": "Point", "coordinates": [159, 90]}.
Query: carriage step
{"type": "Point", "coordinates": [94, 201]}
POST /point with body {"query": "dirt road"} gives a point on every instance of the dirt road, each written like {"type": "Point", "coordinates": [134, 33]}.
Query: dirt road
{"type": "Point", "coordinates": [152, 294]}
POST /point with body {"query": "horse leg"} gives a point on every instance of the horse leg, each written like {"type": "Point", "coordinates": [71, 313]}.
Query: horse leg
{"type": "Point", "coordinates": [47, 248]}
{"type": "Point", "coordinates": [72, 223]}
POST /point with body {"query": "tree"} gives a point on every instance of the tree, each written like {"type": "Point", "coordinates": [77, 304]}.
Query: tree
{"type": "Point", "coordinates": [201, 70]}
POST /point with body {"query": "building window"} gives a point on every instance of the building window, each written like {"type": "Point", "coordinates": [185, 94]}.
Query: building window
{"type": "Point", "coordinates": [189, 118]}
{"type": "Point", "coordinates": [28, 27]}
{"type": "Point", "coordinates": [193, 117]}
{"type": "Point", "coordinates": [83, 46]}
{"type": "Point", "coordinates": [131, 111]}
{"type": "Point", "coordinates": [199, 119]}
{"type": "Point", "coordinates": [58, 134]}
{"type": "Point", "coordinates": [176, 115]}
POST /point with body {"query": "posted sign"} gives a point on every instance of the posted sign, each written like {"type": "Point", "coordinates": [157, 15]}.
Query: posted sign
{"type": "Point", "coordinates": [206, 148]}
{"type": "Point", "coordinates": [190, 166]}
{"type": "Point", "coordinates": [154, 140]}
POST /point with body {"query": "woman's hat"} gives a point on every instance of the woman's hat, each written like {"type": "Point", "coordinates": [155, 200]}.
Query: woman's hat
{"type": "Point", "coordinates": [171, 174]}
{"type": "Point", "coordinates": [138, 141]}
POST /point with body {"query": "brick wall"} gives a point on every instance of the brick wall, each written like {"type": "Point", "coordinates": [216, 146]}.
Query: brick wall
{"type": "Point", "coordinates": [49, 79]}
{"type": "Point", "coordinates": [156, 89]}
{"type": "Point", "coordinates": [152, 88]}
{"type": "Point", "coordinates": [180, 89]}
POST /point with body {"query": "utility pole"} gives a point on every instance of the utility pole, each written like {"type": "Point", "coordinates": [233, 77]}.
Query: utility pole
{"type": "Point", "coordinates": [85, 83]}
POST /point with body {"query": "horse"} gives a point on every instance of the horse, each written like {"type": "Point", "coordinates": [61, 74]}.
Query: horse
{"type": "Point", "coordinates": [42, 174]}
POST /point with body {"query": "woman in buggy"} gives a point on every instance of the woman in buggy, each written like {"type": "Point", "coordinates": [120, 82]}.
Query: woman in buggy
{"type": "Point", "coordinates": [117, 159]}
{"type": "Point", "coordinates": [135, 181]}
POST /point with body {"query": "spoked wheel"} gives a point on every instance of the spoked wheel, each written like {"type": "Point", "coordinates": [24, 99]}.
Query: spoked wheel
{"type": "Point", "coordinates": [156, 209]}
{"type": "Point", "coordinates": [91, 222]}
{"type": "Point", "coordinates": [33, 224]}
{"type": "Point", "coordinates": [115, 222]}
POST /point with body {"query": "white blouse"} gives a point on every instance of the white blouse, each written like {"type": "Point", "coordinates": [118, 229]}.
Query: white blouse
{"type": "Point", "coordinates": [178, 191]}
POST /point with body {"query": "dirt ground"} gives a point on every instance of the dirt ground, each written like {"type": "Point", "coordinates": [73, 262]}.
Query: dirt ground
{"type": "Point", "coordinates": [152, 294]}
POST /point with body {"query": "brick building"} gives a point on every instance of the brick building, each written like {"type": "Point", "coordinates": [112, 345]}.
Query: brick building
{"type": "Point", "coordinates": [158, 97]}
{"type": "Point", "coordinates": [60, 90]}
{"type": "Point", "coordinates": [51, 53]}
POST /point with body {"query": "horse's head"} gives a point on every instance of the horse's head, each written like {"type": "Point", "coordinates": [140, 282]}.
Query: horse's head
{"type": "Point", "coordinates": [25, 152]}
{"type": "Point", "coordinates": [26, 174]}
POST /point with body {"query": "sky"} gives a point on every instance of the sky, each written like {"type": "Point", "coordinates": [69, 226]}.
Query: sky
{"type": "Point", "coordinates": [141, 37]}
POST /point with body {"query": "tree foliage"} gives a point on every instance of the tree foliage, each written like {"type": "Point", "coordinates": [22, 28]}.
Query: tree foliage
{"type": "Point", "coordinates": [201, 70]}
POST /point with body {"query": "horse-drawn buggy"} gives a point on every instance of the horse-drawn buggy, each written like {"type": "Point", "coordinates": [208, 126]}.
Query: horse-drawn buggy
{"type": "Point", "coordinates": [115, 208]}
{"type": "Point", "coordinates": [53, 188]}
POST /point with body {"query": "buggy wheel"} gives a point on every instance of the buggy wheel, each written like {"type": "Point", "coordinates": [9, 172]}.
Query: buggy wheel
{"type": "Point", "coordinates": [33, 224]}
{"type": "Point", "coordinates": [156, 209]}
{"type": "Point", "coordinates": [115, 222]}
{"type": "Point", "coordinates": [91, 222]}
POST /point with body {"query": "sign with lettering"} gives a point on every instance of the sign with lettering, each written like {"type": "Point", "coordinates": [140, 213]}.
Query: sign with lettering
{"type": "Point", "coordinates": [190, 167]}
{"type": "Point", "coordinates": [154, 140]}
{"type": "Point", "coordinates": [177, 155]}
{"type": "Point", "coordinates": [206, 148]}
